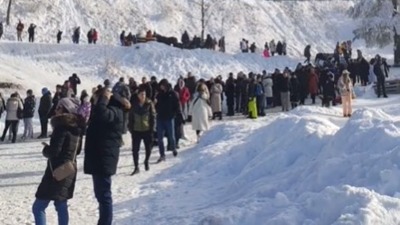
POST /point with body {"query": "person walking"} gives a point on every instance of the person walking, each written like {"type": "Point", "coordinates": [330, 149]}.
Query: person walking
{"type": "Point", "coordinates": [141, 126]}
{"type": "Point", "coordinates": [167, 108]}
{"type": "Point", "coordinates": [64, 147]}
{"type": "Point", "coordinates": [29, 111]}
{"type": "Point", "coordinates": [200, 111]}
{"type": "Point", "coordinates": [13, 108]}
{"type": "Point", "coordinates": [346, 91]}
{"type": "Point", "coordinates": [102, 148]}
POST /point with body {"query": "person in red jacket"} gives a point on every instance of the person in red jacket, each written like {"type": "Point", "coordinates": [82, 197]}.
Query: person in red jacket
{"type": "Point", "coordinates": [184, 96]}
{"type": "Point", "coordinates": [313, 84]}
{"type": "Point", "coordinates": [95, 36]}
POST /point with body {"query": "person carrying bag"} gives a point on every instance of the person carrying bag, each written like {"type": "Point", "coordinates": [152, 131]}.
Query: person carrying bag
{"type": "Point", "coordinates": [59, 179]}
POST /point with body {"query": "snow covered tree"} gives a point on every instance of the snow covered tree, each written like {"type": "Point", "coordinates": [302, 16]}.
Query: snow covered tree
{"type": "Point", "coordinates": [378, 21]}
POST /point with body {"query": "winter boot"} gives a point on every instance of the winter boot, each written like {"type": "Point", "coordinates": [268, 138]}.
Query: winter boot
{"type": "Point", "coordinates": [136, 171]}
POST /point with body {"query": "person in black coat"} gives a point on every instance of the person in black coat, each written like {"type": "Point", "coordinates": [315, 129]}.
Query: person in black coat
{"type": "Point", "coordinates": [29, 111]}
{"type": "Point", "coordinates": [328, 91]}
{"type": "Point", "coordinates": [64, 146]}
{"type": "Point", "coordinates": [185, 39]}
{"type": "Point", "coordinates": [230, 95]}
{"type": "Point", "coordinates": [380, 75]}
{"type": "Point", "coordinates": [74, 81]}
{"type": "Point", "coordinates": [44, 111]}
{"type": "Point", "coordinates": [31, 32]}
{"type": "Point", "coordinates": [59, 36]}
{"type": "Point", "coordinates": [167, 108]}
{"type": "Point", "coordinates": [154, 88]}
{"type": "Point", "coordinates": [102, 147]}
{"type": "Point", "coordinates": [307, 54]}
{"type": "Point", "coordinates": [279, 48]}
{"type": "Point", "coordinates": [146, 86]}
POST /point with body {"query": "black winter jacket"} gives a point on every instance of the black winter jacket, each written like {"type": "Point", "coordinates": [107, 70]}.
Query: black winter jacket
{"type": "Point", "coordinates": [104, 138]}
{"type": "Point", "coordinates": [29, 106]}
{"type": "Point", "coordinates": [167, 106]}
{"type": "Point", "coordinates": [65, 140]}
{"type": "Point", "coordinates": [45, 105]}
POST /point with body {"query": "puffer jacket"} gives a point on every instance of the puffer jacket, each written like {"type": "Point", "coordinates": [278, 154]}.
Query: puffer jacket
{"type": "Point", "coordinates": [29, 106]}
{"type": "Point", "coordinates": [142, 118]}
{"type": "Point", "coordinates": [12, 106]}
{"type": "Point", "coordinates": [64, 142]}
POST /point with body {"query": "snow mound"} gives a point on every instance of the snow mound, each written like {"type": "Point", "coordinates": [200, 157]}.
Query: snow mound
{"type": "Point", "coordinates": [295, 168]}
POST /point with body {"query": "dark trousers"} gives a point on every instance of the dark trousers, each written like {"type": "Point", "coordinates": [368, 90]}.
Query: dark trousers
{"type": "Point", "coordinates": [326, 101]}
{"type": "Point", "coordinates": [238, 102]}
{"type": "Point", "coordinates": [165, 127]}
{"type": "Point", "coordinates": [31, 38]}
{"type": "Point", "coordinates": [270, 101]}
{"type": "Point", "coordinates": [44, 124]}
{"type": "Point", "coordinates": [381, 86]}
{"type": "Point", "coordinates": [230, 103]}
{"type": "Point", "coordinates": [13, 124]}
{"type": "Point", "coordinates": [102, 191]}
{"type": "Point", "coordinates": [260, 105]}
{"type": "Point", "coordinates": [137, 138]}
{"type": "Point", "coordinates": [313, 98]}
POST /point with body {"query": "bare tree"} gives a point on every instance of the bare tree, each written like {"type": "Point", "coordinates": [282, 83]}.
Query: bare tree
{"type": "Point", "coordinates": [8, 12]}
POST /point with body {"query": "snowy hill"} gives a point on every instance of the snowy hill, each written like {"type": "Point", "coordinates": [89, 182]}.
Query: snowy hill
{"type": "Point", "coordinates": [299, 23]}
{"type": "Point", "coordinates": [45, 65]}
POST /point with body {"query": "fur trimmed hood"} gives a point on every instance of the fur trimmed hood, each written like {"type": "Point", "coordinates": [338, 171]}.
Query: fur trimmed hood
{"type": "Point", "coordinates": [68, 120]}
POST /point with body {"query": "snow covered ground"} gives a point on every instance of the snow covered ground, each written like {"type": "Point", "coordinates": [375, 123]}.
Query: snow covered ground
{"type": "Point", "coordinates": [308, 166]}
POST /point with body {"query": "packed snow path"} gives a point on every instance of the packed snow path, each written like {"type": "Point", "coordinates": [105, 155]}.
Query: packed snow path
{"type": "Point", "coordinates": [308, 166]}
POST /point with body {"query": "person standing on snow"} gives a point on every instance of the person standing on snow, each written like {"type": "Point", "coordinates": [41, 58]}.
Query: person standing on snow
{"type": "Point", "coordinates": [307, 54]}
{"type": "Point", "coordinates": [122, 38]}
{"type": "Point", "coordinates": [279, 48]}
{"type": "Point", "coordinates": [185, 39]}
{"type": "Point", "coordinates": [381, 72]}
{"type": "Point", "coordinates": [45, 111]}
{"type": "Point", "coordinates": [31, 32]}
{"type": "Point", "coordinates": [346, 91]}
{"type": "Point", "coordinates": [59, 36]}
{"type": "Point", "coordinates": [29, 111]}
{"type": "Point", "coordinates": [221, 44]}
{"type": "Point", "coordinates": [253, 47]}
{"type": "Point", "coordinates": [13, 106]}
{"type": "Point", "coordinates": [74, 81]}
{"type": "Point", "coordinates": [20, 28]}
{"type": "Point", "coordinates": [284, 48]}
{"type": "Point", "coordinates": [284, 89]}
{"type": "Point", "coordinates": [90, 36]}
{"type": "Point", "coordinates": [230, 95]}
{"type": "Point", "coordinates": [272, 47]}
{"type": "Point", "coordinates": [102, 148]}
{"type": "Point", "coordinates": [64, 146]}
{"type": "Point", "coordinates": [268, 94]}
{"type": "Point", "coordinates": [95, 36]}
{"type": "Point", "coordinates": [2, 105]}
{"type": "Point", "coordinates": [216, 101]}
{"type": "Point", "coordinates": [76, 36]}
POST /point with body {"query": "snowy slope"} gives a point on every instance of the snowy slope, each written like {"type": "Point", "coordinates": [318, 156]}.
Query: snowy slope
{"type": "Point", "coordinates": [299, 23]}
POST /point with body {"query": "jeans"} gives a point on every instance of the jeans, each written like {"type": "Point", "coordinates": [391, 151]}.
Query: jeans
{"type": "Point", "coordinates": [39, 211]}
{"type": "Point", "coordinates": [168, 127]}
{"type": "Point", "coordinates": [28, 128]}
{"type": "Point", "coordinates": [102, 191]}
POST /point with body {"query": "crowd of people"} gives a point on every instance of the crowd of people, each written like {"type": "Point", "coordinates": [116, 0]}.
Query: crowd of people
{"type": "Point", "coordinates": [270, 49]}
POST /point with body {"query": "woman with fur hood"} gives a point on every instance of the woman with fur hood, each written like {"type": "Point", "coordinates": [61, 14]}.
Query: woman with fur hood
{"type": "Point", "coordinates": [200, 110]}
{"type": "Point", "coordinates": [64, 145]}
{"type": "Point", "coordinates": [346, 91]}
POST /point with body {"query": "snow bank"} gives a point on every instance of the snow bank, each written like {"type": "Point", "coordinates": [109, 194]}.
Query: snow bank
{"type": "Point", "coordinates": [295, 168]}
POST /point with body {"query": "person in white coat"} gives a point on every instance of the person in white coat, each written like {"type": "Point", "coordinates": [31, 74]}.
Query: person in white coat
{"type": "Point", "coordinates": [200, 110]}
{"type": "Point", "coordinates": [14, 106]}
{"type": "Point", "coordinates": [216, 99]}
{"type": "Point", "coordinates": [269, 96]}
{"type": "Point", "coordinates": [372, 75]}
{"type": "Point", "coordinates": [272, 47]}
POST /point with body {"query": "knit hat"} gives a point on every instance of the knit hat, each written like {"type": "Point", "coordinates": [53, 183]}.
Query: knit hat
{"type": "Point", "coordinates": [45, 91]}
{"type": "Point", "coordinates": [69, 104]}
{"type": "Point", "coordinates": [346, 72]}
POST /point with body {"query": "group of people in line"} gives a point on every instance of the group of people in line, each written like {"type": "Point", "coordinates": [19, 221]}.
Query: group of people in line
{"type": "Point", "coordinates": [270, 49]}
